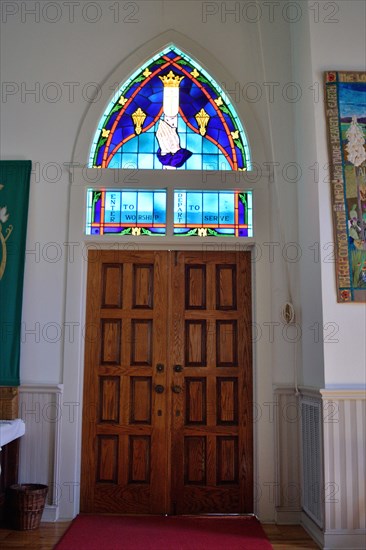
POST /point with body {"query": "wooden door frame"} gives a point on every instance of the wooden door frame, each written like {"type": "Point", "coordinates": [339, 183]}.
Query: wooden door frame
{"type": "Point", "coordinates": [68, 464]}
{"type": "Point", "coordinates": [208, 257]}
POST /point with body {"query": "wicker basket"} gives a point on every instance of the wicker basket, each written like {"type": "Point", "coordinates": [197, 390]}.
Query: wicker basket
{"type": "Point", "coordinates": [25, 505]}
{"type": "Point", "coordinates": [8, 403]}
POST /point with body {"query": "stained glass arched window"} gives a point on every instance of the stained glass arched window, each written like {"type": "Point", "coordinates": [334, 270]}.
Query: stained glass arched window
{"type": "Point", "coordinates": [170, 114]}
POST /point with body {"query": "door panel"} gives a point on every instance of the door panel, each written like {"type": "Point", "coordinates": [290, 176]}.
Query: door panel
{"type": "Point", "coordinates": [167, 424]}
{"type": "Point", "coordinates": [124, 428]}
{"type": "Point", "coordinates": [212, 414]}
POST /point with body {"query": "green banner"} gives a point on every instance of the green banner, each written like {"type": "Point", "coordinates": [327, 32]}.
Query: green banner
{"type": "Point", "coordinates": [14, 195]}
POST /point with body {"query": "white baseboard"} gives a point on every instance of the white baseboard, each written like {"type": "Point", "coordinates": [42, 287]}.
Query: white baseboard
{"type": "Point", "coordinates": [50, 513]}
{"type": "Point", "coordinates": [287, 517]}
{"type": "Point", "coordinates": [312, 529]}
{"type": "Point", "coordinates": [351, 540]}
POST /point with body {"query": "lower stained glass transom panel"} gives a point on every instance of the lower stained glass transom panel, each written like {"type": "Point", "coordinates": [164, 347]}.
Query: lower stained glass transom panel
{"type": "Point", "coordinates": [127, 212]}
{"type": "Point", "coordinates": [213, 213]}
{"type": "Point", "coordinates": [144, 213]}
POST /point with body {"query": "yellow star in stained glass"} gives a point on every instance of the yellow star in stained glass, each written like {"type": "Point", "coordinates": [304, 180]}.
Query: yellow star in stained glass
{"type": "Point", "coordinates": [122, 100]}
{"type": "Point", "coordinates": [147, 72]}
{"type": "Point", "coordinates": [195, 73]}
{"type": "Point", "coordinates": [235, 135]}
{"type": "Point", "coordinates": [105, 133]}
{"type": "Point", "coordinates": [219, 101]}
{"type": "Point", "coordinates": [242, 169]}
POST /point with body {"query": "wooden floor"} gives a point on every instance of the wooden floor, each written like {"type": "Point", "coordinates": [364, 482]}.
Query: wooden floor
{"type": "Point", "coordinates": [288, 537]}
{"type": "Point", "coordinates": [282, 537]}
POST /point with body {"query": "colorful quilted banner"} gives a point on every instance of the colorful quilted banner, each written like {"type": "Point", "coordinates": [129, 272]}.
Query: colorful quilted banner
{"type": "Point", "coordinates": [346, 118]}
{"type": "Point", "coordinates": [14, 195]}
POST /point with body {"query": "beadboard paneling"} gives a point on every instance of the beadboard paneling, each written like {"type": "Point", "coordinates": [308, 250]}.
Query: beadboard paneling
{"type": "Point", "coordinates": [344, 468]}
{"type": "Point", "coordinates": [40, 408]}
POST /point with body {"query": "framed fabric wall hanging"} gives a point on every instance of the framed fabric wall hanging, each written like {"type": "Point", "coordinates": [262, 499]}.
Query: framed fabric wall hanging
{"type": "Point", "coordinates": [14, 196]}
{"type": "Point", "coordinates": [346, 121]}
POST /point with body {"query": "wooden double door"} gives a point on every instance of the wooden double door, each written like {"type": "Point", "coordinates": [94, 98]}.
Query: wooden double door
{"type": "Point", "coordinates": [167, 408]}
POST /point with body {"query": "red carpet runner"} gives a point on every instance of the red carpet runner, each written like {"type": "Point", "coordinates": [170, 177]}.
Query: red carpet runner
{"type": "Point", "coordinates": [91, 532]}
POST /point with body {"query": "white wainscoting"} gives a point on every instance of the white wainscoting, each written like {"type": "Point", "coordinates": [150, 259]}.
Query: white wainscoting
{"type": "Point", "coordinates": [312, 458]}
{"type": "Point", "coordinates": [40, 408]}
{"type": "Point", "coordinates": [328, 462]}
{"type": "Point", "coordinates": [312, 463]}
{"type": "Point", "coordinates": [299, 461]}
{"type": "Point", "coordinates": [344, 468]}
{"type": "Point", "coordinates": [288, 475]}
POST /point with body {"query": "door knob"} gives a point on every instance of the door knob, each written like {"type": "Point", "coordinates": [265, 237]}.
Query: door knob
{"type": "Point", "coordinates": [176, 389]}
{"type": "Point", "coordinates": [159, 389]}
{"type": "Point", "coordinates": [177, 368]}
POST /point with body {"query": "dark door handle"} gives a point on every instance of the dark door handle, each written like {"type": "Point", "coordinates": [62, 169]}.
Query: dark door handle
{"type": "Point", "coordinates": [177, 368]}
{"type": "Point", "coordinates": [159, 389]}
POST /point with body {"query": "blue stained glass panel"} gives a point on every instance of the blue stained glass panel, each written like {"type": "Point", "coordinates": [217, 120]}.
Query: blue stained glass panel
{"type": "Point", "coordinates": [126, 212]}
{"type": "Point", "coordinates": [194, 208]}
{"type": "Point", "coordinates": [145, 208]}
{"type": "Point", "coordinates": [129, 207]}
{"type": "Point", "coordinates": [213, 213]}
{"type": "Point", "coordinates": [194, 163]}
{"type": "Point", "coordinates": [129, 160]}
{"type": "Point", "coordinates": [146, 161]}
{"type": "Point", "coordinates": [159, 207]}
{"type": "Point", "coordinates": [226, 208]}
{"type": "Point", "coordinates": [112, 212]}
{"type": "Point", "coordinates": [210, 208]}
{"type": "Point", "coordinates": [146, 143]}
{"type": "Point", "coordinates": [208, 147]}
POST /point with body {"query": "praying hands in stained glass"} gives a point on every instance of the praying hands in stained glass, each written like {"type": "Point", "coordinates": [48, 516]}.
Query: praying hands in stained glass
{"type": "Point", "coordinates": [170, 154]}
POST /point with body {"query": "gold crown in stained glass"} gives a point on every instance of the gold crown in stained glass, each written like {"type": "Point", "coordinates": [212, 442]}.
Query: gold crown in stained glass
{"type": "Point", "coordinates": [171, 80]}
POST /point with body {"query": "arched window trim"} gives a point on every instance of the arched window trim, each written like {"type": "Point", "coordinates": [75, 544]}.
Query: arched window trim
{"type": "Point", "coordinates": [236, 151]}
{"type": "Point", "coordinates": [96, 107]}
{"type": "Point", "coordinates": [105, 178]}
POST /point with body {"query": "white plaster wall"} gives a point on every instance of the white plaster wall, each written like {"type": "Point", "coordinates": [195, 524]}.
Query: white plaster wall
{"type": "Point", "coordinates": [68, 58]}
{"type": "Point", "coordinates": [338, 46]}
{"type": "Point", "coordinates": [37, 52]}
{"type": "Point", "coordinates": [310, 311]}
{"type": "Point", "coordinates": [282, 250]}
{"type": "Point", "coordinates": [62, 55]}
{"type": "Point", "coordinates": [331, 36]}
